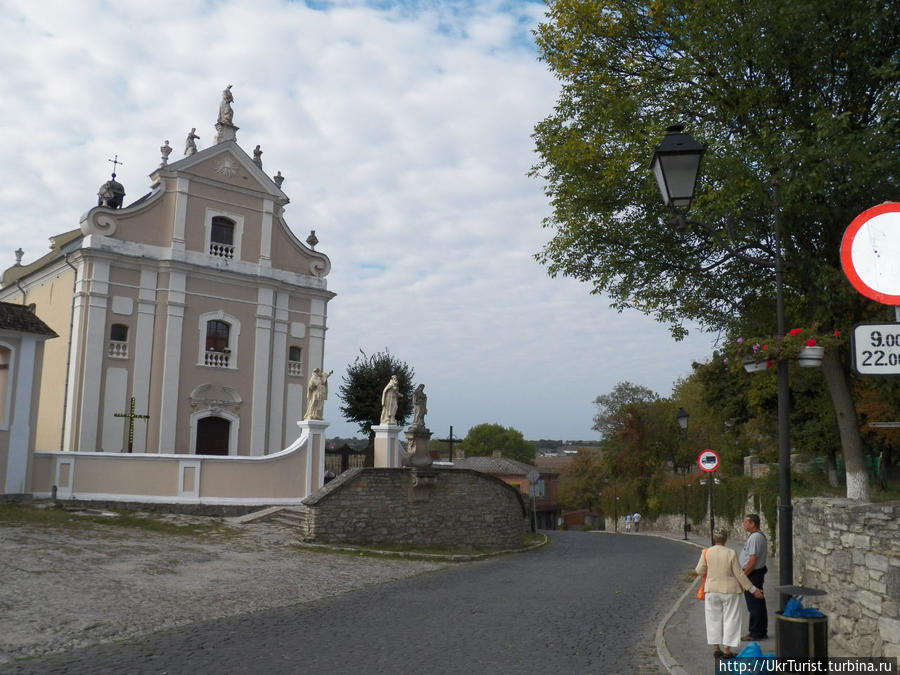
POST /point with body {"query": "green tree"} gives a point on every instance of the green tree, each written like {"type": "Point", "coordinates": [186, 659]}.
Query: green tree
{"type": "Point", "coordinates": [583, 481]}
{"type": "Point", "coordinates": [483, 439]}
{"type": "Point", "coordinates": [613, 408]}
{"type": "Point", "coordinates": [805, 94]}
{"type": "Point", "coordinates": [362, 385]}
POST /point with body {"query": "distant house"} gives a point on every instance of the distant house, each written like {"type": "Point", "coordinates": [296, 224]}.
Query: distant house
{"type": "Point", "coordinates": [559, 462]}
{"type": "Point", "coordinates": [517, 473]}
{"type": "Point", "coordinates": [583, 518]}
{"type": "Point", "coordinates": [22, 337]}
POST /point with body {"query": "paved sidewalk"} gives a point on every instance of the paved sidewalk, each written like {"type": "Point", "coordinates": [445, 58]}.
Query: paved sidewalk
{"type": "Point", "coordinates": [681, 636]}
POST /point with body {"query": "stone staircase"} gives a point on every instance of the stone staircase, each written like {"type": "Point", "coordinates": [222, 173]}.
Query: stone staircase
{"type": "Point", "coordinates": [292, 517]}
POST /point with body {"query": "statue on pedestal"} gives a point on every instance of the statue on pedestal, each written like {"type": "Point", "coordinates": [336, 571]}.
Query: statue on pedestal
{"type": "Point", "coordinates": [420, 401]}
{"type": "Point", "coordinates": [390, 398]}
{"type": "Point", "coordinates": [226, 114]}
{"type": "Point", "coordinates": [190, 145]}
{"type": "Point", "coordinates": [316, 393]}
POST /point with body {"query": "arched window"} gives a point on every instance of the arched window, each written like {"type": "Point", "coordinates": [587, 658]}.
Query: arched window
{"type": "Point", "coordinates": [295, 361]}
{"type": "Point", "coordinates": [217, 347]}
{"type": "Point", "coordinates": [221, 237]}
{"type": "Point", "coordinates": [5, 381]}
{"type": "Point", "coordinates": [218, 340]}
{"type": "Point", "coordinates": [212, 436]}
{"type": "Point", "coordinates": [118, 341]}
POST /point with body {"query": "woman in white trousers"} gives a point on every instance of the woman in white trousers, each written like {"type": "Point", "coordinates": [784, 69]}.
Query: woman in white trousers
{"type": "Point", "coordinates": [724, 585]}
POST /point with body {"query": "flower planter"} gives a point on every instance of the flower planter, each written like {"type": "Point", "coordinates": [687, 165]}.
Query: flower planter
{"type": "Point", "coordinates": [752, 366]}
{"type": "Point", "coordinates": [810, 357]}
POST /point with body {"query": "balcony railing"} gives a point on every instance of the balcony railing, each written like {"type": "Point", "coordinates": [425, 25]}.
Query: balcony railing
{"type": "Point", "coordinates": [295, 368]}
{"type": "Point", "coordinates": [216, 359]}
{"type": "Point", "coordinates": [221, 250]}
{"type": "Point", "coordinates": [117, 349]}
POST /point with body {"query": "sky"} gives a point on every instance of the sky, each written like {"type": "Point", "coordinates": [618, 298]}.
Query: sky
{"type": "Point", "coordinates": [403, 130]}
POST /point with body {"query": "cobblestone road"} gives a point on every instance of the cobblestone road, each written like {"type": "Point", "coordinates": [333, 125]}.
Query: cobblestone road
{"type": "Point", "coordinates": [580, 605]}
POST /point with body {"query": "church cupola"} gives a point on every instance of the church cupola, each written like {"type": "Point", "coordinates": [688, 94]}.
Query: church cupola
{"type": "Point", "coordinates": [111, 193]}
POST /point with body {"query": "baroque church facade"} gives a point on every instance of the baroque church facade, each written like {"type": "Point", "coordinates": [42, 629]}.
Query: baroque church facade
{"type": "Point", "coordinates": [188, 320]}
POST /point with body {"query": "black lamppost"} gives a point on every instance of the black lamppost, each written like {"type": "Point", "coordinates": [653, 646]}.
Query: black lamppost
{"type": "Point", "coordinates": [615, 509]}
{"type": "Point", "coordinates": [682, 418]}
{"type": "Point", "coordinates": [676, 164]}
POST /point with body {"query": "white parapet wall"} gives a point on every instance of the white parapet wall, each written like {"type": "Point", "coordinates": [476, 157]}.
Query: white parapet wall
{"type": "Point", "coordinates": [285, 477]}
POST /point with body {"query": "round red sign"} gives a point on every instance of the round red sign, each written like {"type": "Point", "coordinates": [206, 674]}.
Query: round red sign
{"type": "Point", "coordinates": [870, 250]}
{"type": "Point", "coordinates": [708, 460]}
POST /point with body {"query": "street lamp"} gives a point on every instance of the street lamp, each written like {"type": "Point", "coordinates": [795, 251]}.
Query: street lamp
{"type": "Point", "coordinates": [676, 164]}
{"type": "Point", "coordinates": [682, 418]}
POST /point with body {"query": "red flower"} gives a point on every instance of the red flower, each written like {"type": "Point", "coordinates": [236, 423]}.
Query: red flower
{"type": "Point", "coordinates": [837, 333]}
{"type": "Point", "coordinates": [811, 342]}
{"type": "Point", "coordinates": [795, 331]}
{"type": "Point", "coordinates": [765, 346]}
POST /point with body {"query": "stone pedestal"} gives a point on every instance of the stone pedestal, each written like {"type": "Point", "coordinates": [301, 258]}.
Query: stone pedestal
{"type": "Point", "coordinates": [387, 446]}
{"type": "Point", "coordinates": [417, 447]}
{"type": "Point", "coordinates": [315, 455]}
{"type": "Point", "coordinates": [225, 132]}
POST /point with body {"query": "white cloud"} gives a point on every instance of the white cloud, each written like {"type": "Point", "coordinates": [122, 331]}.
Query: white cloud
{"type": "Point", "coordinates": [404, 136]}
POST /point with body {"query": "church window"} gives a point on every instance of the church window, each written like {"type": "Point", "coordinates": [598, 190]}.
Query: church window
{"type": "Point", "coordinates": [217, 349]}
{"type": "Point", "coordinates": [118, 341]}
{"type": "Point", "coordinates": [295, 361]}
{"type": "Point", "coordinates": [5, 383]}
{"type": "Point", "coordinates": [221, 237]}
{"type": "Point", "coordinates": [212, 436]}
{"type": "Point", "coordinates": [223, 232]}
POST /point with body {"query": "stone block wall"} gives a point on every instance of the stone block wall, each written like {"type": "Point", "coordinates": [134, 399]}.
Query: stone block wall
{"type": "Point", "coordinates": [852, 551]}
{"type": "Point", "coordinates": [446, 508]}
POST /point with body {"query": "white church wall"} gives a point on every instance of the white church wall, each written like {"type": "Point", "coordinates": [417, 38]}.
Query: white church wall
{"type": "Point", "coordinates": [115, 399]}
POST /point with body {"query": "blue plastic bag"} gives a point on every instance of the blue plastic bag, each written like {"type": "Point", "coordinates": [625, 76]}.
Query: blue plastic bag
{"type": "Point", "coordinates": [752, 650]}
{"type": "Point", "coordinates": [752, 660]}
{"type": "Point", "coordinates": [796, 609]}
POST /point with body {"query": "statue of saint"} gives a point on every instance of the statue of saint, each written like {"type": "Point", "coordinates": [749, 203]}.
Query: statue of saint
{"type": "Point", "coordinates": [226, 114]}
{"type": "Point", "coordinates": [190, 146]}
{"type": "Point", "coordinates": [316, 393]}
{"type": "Point", "coordinates": [257, 156]}
{"type": "Point", "coordinates": [390, 398]}
{"type": "Point", "coordinates": [419, 406]}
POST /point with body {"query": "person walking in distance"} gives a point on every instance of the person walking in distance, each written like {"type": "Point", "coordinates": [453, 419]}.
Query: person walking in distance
{"type": "Point", "coordinates": [628, 523]}
{"type": "Point", "coordinates": [753, 561]}
{"type": "Point", "coordinates": [636, 519]}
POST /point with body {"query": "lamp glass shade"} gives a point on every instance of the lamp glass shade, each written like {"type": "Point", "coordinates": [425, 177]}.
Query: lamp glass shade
{"type": "Point", "coordinates": [675, 165]}
{"type": "Point", "coordinates": [682, 418]}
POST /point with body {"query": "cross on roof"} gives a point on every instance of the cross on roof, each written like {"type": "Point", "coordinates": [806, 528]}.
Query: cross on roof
{"type": "Point", "coordinates": [115, 161]}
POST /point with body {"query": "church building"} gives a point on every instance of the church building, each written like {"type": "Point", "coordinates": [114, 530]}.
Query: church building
{"type": "Point", "coordinates": [188, 320]}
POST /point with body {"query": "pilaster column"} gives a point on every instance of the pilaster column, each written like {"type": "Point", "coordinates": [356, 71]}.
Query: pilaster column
{"type": "Point", "coordinates": [315, 453]}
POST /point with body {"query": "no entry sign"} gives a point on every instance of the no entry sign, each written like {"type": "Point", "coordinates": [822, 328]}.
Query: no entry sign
{"type": "Point", "coordinates": [708, 460]}
{"type": "Point", "coordinates": [870, 250]}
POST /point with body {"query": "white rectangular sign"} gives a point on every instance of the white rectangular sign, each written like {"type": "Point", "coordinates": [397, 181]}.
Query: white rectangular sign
{"type": "Point", "coordinates": [876, 348]}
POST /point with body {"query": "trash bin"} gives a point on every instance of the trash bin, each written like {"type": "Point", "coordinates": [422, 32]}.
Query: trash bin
{"type": "Point", "coordinates": [798, 637]}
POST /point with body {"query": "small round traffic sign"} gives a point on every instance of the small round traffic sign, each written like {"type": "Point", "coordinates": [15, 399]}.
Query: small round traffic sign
{"type": "Point", "coordinates": [870, 249]}
{"type": "Point", "coordinates": [708, 460]}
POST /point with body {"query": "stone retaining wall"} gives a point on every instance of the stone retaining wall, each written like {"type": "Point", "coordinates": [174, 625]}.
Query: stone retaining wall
{"type": "Point", "coordinates": [852, 551]}
{"type": "Point", "coordinates": [447, 508]}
